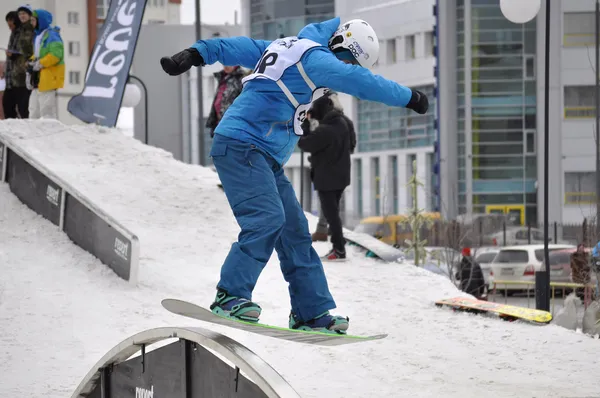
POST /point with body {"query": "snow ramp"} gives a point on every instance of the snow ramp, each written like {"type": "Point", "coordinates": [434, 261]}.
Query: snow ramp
{"type": "Point", "coordinates": [62, 310]}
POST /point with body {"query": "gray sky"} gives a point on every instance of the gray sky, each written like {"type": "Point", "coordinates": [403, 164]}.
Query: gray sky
{"type": "Point", "coordinates": [212, 12]}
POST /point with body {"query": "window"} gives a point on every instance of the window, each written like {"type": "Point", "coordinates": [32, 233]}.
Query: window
{"type": "Point", "coordinates": [74, 77]}
{"type": "Point", "coordinates": [376, 185]}
{"type": "Point", "coordinates": [102, 7]}
{"type": "Point", "coordinates": [431, 186]}
{"type": "Point", "coordinates": [391, 51]}
{"type": "Point", "coordinates": [512, 256]}
{"type": "Point", "coordinates": [73, 18]}
{"type": "Point", "coordinates": [580, 187]}
{"type": "Point", "coordinates": [579, 29]}
{"type": "Point", "coordinates": [394, 173]}
{"type": "Point", "coordinates": [429, 44]}
{"type": "Point", "coordinates": [485, 258]}
{"type": "Point", "coordinates": [359, 190]}
{"type": "Point", "coordinates": [539, 253]}
{"type": "Point", "coordinates": [530, 142]}
{"type": "Point", "coordinates": [409, 46]}
{"type": "Point", "coordinates": [74, 49]}
{"type": "Point", "coordinates": [410, 159]}
{"type": "Point", "coordinates": [381, 127]}
{"type": "Point", "coordinates": [537, 235]}
{"type": "Point", "coordinates": [579, 102]}
{"type": "Point", "coordinates": [529, 67]}
{"type": "Point", "coordinates": [522, 234]}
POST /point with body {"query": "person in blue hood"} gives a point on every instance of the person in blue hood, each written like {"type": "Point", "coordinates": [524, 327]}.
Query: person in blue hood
{"type": "Point", "coordinates": [257, 136]}
{"type": "Point", "coordinates": [46, 68]}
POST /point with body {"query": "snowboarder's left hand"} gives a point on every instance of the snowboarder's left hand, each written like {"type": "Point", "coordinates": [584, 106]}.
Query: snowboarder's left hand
{"type": "Point", "coordinates": [181, 62]}
{"type": "Point", "coordinates": [418, 102]}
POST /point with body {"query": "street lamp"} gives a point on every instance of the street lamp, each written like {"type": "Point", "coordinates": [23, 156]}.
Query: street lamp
{"type": "Point", "coordinates": [521, 11]}
{"type": "Point", "coordinates": [132, 97]}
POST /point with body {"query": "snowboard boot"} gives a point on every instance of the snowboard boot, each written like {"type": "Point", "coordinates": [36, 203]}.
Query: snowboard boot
{"type": "Point", "coordinates": [324, 323]}
{"type": "Point", "coordinates": [235, 307]}
{"type": "Point", "coordinates": [334, 255]}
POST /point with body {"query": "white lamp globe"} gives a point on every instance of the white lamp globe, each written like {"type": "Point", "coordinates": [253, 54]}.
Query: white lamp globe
{"type": "Point", "coordinates": [131, 96]}
{"type": "Point", "coordinates": [520, 11]}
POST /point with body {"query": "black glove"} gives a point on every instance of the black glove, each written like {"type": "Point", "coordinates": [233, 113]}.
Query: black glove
{"type": "Point", "coordinates": [418, 102]}
{"type": "Point", "coordinates": [181, 62]}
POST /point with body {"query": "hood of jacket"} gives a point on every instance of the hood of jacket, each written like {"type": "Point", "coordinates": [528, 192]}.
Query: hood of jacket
{"type": "Point", "coordinates": [320, 32]}
{"type": "Point", "coordinates": [44, 20]}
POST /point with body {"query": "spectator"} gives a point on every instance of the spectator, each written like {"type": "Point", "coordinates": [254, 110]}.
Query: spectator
{"type": "Point", "coordinates": [328, 136]}
{"type": "Point", "coordinates": [15, 101]}
{"type": "Point", "coordinates": [322, 231]}
{"type": "Point", "coordinates": [471, 276]}
{"type": "Point", "coordinates": [48, 60]}
{"type": "Point", "coordinates": [229, 87]}
{"type": "Point", "coordinates": [580, 269]}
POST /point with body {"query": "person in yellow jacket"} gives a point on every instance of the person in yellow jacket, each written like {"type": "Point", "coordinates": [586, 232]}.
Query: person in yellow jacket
{"type": "Point", "coordinates": [47, 67]}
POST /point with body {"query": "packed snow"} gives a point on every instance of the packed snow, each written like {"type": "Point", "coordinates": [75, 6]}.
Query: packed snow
{"type": "Point", "coordinates": [61, 309]}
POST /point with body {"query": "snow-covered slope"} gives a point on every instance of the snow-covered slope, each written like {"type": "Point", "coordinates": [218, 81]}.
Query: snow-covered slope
{"type": "Point", "coordinates": [61, 310]}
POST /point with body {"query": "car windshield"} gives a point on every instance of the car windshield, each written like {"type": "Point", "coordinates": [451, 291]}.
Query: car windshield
{"type": "Point", "coordinates": [512, 256]}
{"type": "Point", "coordinates": [485, 258]}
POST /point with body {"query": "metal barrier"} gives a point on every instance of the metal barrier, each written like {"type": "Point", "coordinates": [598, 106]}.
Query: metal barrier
{"type": "Point", "coordinates": [587, 290]}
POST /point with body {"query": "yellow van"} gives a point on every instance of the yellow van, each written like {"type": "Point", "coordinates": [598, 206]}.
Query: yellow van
{"type": "Point", "coordinates": [391, 229]}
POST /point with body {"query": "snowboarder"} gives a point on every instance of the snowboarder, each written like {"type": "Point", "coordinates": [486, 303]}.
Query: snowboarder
{"type": "Point", "coordinates": [257, 136]}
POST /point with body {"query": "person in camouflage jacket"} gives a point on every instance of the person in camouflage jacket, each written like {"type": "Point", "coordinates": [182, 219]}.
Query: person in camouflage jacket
{"type": "Point", "coordinates": [16, 97]}
{"type": "Point", "coordinates": [229, 87]}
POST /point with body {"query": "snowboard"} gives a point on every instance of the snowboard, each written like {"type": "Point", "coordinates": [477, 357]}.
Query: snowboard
{"type": "Point", "coordinates": [504, 311]}
{"type": "Point", "coordinates": [373, 246]}
{"type": "Point", "coordinates": [191, 310]}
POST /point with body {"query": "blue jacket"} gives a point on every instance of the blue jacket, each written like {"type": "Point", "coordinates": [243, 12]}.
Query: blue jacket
{"type": "Point", "coordinates": [262, 114]}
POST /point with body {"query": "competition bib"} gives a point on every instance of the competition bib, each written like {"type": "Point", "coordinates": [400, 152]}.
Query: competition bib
{"type": "Point", "coordinates": [277, 58]}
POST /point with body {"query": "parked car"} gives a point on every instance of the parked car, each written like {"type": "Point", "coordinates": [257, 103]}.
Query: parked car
{"type": "Point", "coordinates": [560, 265]}
{"type": "Point", "coordinates": [520, 263]}
{"type": "Point", "coordinates": [484, 256]}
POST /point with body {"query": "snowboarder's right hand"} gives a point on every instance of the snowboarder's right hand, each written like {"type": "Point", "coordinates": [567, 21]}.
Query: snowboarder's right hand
{"type": "Point", "coordinates": [181, 62]}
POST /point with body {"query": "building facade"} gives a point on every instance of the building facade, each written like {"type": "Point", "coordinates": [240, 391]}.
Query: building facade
{"type": "Point", "coordinates": [80, 21]}
{"type": "Point", "coordinates": [490, 73]}
{"type": "Point", "coordinates": [390, 139]}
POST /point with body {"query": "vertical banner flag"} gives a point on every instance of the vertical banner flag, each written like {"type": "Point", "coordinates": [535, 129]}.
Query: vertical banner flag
{"type": "Point", "coordinates": [108, 70]}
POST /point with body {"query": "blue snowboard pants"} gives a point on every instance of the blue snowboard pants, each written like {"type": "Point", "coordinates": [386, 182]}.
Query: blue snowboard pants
{"type": "Point", "coordinates": [264, 204]}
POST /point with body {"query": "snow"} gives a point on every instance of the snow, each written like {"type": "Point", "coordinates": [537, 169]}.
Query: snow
{"type": "Point", "coordinates": [61, 309]}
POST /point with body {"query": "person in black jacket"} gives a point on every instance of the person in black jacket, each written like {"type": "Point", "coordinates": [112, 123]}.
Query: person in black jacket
{"type": "Point", "coordinates": [471, 276]}
{"type": "Point", "coordinates": [330, 139]}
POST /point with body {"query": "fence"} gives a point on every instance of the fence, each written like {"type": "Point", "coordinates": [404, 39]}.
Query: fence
{"type": "Point", "coordinates": [456, 235]}
{"type": "Point", "coordinates": [588, 291]}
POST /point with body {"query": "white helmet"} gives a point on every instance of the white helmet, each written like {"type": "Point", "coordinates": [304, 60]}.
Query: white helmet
{"type": "Point", "coordinates": [358, 37]}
